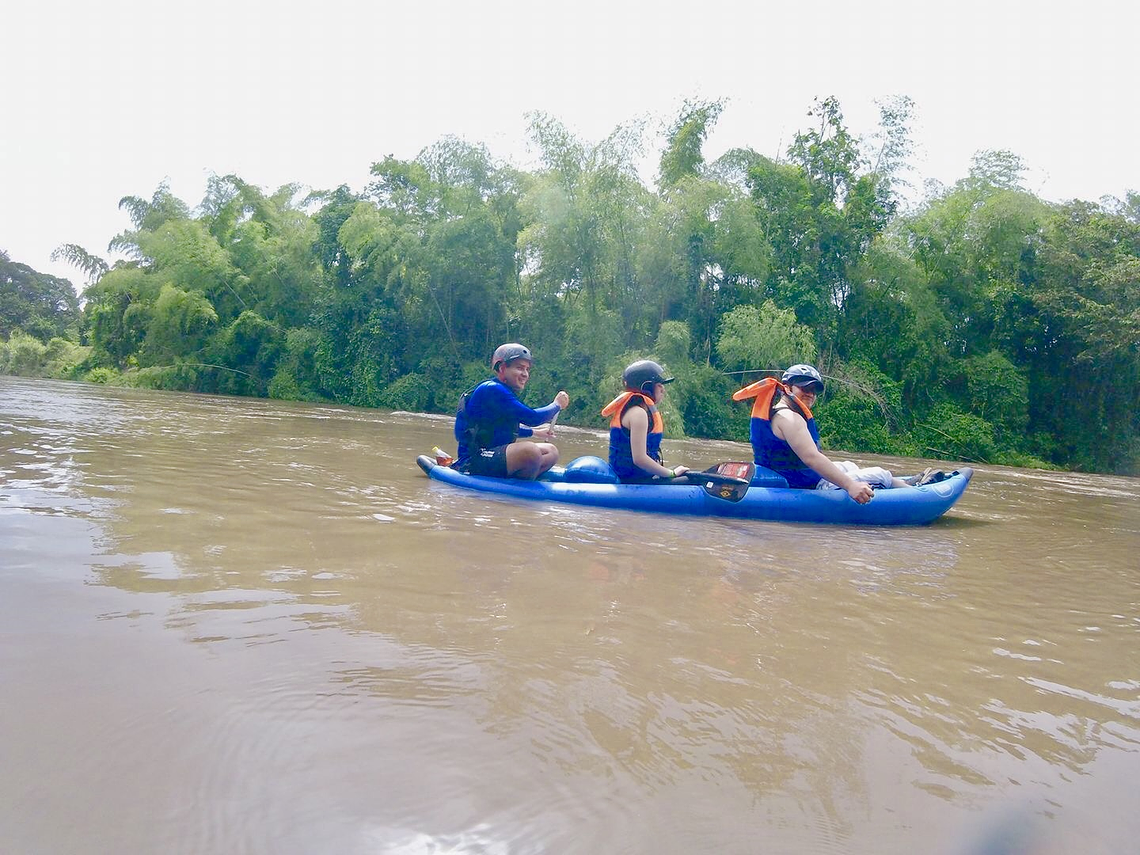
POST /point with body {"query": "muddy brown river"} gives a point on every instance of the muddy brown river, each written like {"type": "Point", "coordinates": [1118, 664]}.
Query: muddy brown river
{"type": "Point", "coordinates": [244, 626]}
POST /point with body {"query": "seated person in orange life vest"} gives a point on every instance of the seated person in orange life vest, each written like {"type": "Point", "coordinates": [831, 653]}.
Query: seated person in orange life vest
{"type": "Point", "coordinates": [636, 426]}
{"type": "Point", "coordinates": [785, 437]}
{"type": "Point", "coordinates": [491, 418]}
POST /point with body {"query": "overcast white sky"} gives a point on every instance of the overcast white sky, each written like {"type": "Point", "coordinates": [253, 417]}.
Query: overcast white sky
{"type": "Point", "coordinates": [103, 100]}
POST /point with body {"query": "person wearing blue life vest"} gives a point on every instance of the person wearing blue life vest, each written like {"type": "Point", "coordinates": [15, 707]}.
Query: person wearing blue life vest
{"type": "Point", "coordinates": [785, 438]}
{"type": "Point", "coordinates": [491, 418]}
{"type": "Point", "coordinates": [636, 426]}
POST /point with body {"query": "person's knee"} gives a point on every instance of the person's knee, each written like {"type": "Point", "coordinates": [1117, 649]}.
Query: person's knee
{"type": "Point", "coordinates": [525, 459]}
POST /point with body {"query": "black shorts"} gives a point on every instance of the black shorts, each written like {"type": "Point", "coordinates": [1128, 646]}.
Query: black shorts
{"type": "Point", "coordinates": [488, 461]}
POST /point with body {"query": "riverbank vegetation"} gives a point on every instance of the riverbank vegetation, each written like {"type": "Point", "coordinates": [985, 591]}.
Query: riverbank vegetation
{"type": "Point", "coordinates": [983, 324]}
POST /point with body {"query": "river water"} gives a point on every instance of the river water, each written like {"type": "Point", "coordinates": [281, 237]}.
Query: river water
{"type": "Point", "coordinates": [243, 626]}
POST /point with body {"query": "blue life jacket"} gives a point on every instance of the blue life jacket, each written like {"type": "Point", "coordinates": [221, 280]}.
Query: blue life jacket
{"type": "Point", "coordinates": [771, 451]}
{"type": "Point", "coordinates": [768, 450]}
{"type": "Point", "coordinates": [621, 454]}
{"type": "Point", "coordinates": [478, 426]}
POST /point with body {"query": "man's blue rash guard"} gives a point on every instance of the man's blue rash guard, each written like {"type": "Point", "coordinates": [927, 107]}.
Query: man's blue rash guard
{"type": "Point", "coordinates": [495, 413]}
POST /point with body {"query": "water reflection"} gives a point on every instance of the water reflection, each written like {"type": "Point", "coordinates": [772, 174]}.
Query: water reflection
{"type": "Point", "coordinates": [666, 683]}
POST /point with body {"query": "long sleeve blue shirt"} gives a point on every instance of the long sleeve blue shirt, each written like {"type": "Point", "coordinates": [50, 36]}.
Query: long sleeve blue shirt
{"type": "Point", "coordinates": [495, 413]}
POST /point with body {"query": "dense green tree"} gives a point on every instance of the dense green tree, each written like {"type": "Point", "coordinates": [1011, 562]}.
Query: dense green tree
{"type": "Point", "coordinates": [981, 324]}
{"type": "Point", "coordinates": [36, 303]}
{"type": "Point", "coordinates": [178, 327]}
{"type": "Point", "coordinates": [763, 338]}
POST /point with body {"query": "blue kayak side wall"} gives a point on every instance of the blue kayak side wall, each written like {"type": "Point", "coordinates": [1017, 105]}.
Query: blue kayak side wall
{"type": "Point", "coordinates": [901, 506]}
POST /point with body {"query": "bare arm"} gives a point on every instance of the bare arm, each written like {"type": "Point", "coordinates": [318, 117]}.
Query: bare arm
{"type": "Point", "coordinates": [636, 421]}
{"type": "Point", "coordinates": [792, 429]}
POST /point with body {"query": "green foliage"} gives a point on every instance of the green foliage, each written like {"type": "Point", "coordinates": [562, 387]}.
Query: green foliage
{"type": "Point", "coordinates": [35, 303]}
{"type": "Point", "coordinates": [102, 376]}
{"type": "Point", "coordinates": [682, 156]}
{"type": "Point", "coordinates": [763, 338]}
{"type": "Point", "coordinates": [247, 352]}
{"type": "Point", "coordinates": [296, 377]}
{"type": "Point", "coordinates": [862, 410]}
{"type": "Point", "coordinates": [169, 378]}
{"type": "Point", "coordinates": [27, 356]}
{"type": "Point", "coordinates": [704, 398]}
{"type": "Point", "coordinates": [411, 392]}
{"type": "Point", "coordinates": [951, 434]}
{"type": "Point", "coordinates": [674, 341]}
{"type": "Point", "coordinates": [65, 359]}
{"type": "Point", "coordinates": [986, 324]}
{"type": "Point", "coordinates": [855, 422]}
{"type": "Point", "coordinates": [22, 355]}
{"type": "Point", "coordinates": [77, 256]}
{"type": "Point", "coordinates": [178, 327]}
{"type": "Point", "coordinates": [999, 393]}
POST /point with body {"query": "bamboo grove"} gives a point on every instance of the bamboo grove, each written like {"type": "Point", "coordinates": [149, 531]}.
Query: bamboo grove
{"type": "Point", "coordinates": [982, 324]}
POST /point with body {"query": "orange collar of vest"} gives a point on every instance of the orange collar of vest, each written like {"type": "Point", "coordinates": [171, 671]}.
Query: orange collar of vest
{"type": "Point", "coordinates": [616, 408]}
{"type": "Point", "coordinates": [764, 391]}
{"type": "Point", "coordinates": [618, 403]}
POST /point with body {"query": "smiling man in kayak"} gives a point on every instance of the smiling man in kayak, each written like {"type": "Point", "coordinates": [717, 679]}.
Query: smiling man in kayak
{"type": "Point", "coordinates": [491, 419]}
{"type": "Point", "coordinates": [786, 440]}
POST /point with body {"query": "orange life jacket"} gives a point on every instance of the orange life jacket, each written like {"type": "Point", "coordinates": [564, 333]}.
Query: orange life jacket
{"type": "Point", "coordinates": [616, 409]}
{"type": "Point", "coordinates": [764, 391]}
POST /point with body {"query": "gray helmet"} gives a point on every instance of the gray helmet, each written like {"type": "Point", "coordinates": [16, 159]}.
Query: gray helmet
{"type": "Point", "coordinates": [642, 372]}
{"type": "Point", "coordinates": [509, 353]}
{"type": "Point", "coordinates": [803, 375]}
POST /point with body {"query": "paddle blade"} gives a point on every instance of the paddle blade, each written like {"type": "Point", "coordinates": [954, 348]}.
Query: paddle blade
{"type": "Point", "coordinates": [744, 471]}
{"type": "Point", "coordinates": [724, 485]}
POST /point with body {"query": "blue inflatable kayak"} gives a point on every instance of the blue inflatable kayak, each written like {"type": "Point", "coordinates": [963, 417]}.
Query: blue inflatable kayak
{"type": "Point", "coordinates": [577, 484]}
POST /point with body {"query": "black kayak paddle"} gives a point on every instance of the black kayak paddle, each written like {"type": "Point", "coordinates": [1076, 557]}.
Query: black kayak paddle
{"type": "Point", "coordinates": [727, 481]}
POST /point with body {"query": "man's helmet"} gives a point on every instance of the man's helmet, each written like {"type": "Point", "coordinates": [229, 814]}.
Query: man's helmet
{"type": "Point", "coordinates": [803, 375]}
{"type": "Point", "coordinates": [509, 353]}
{"type": "Point", "coordinates": [643, 372]}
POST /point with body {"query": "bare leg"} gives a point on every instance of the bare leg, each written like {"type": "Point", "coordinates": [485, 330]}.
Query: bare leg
{"type": "Point", "coordinates": [530, 459]}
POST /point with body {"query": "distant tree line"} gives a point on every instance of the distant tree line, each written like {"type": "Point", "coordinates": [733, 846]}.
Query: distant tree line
{"type": "Point", "coordinates": [984, 325]}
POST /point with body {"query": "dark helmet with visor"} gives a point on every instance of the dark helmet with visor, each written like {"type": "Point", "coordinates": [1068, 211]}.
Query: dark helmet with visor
{"type": "Point", "coordinates": [642, 373]}
{"type": "Point", "coordinates": [509, 353]}
{"type": "Point", "coordinates": [803, 375]}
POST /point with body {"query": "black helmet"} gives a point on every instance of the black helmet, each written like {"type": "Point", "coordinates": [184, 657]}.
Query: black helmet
{"type": "Point", "coordinates": [803, 375]}
{"type": "Point", "coordinates": [642, 372]}
{"type": "Point", "coordinates": [509, 353]}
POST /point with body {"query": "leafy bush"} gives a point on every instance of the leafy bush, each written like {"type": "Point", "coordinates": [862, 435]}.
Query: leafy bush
{"type": "Point", "coordinates": [704, 396]}
{"type": "Point", "coordinates": [167, 377]}
{"type": "Point", "coordinates": [764, 337]}
{"type": "Point", "coordinates": [23, 355]}
{"type": "Point", "coordinates": [102, 375]}
{"type": "Point", "coordinates": [411, 392]}
{"type": "Point", "coordinates": [949, 433]}
{"type": "Point", "coordinates": [296, 378]}
{"type": "Point", "coordinates": [855, 423]}
{"type": "Point", "coordinates": [999, 393]}
{"type": "Point", "coordinates": [65, 359]}
{"type": "Point", "coordinates": [861, 409]}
